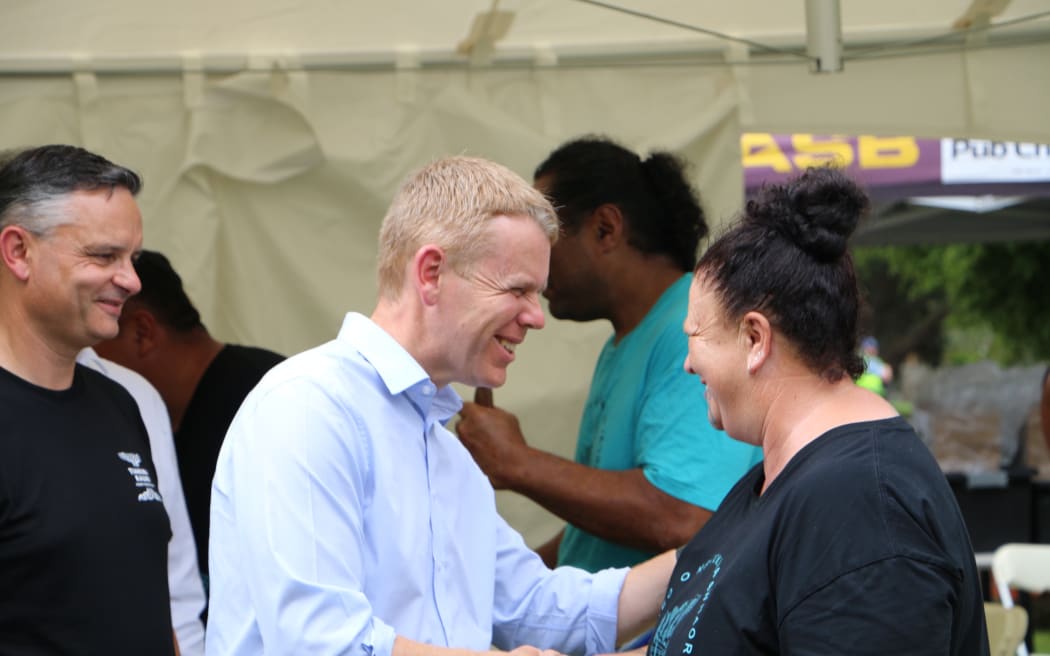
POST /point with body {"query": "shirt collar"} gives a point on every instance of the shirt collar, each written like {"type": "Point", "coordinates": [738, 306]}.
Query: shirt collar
{"type": "Point", "coordinates": [398, 370]}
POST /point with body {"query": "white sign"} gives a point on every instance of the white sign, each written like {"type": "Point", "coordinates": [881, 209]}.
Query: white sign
{"type": "Point", "coordinates": [968, 161]}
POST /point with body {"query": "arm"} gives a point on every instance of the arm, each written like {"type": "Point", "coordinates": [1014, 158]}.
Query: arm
{"type": "Point", "coordinates": [184, 576]}
{"type": "Point", "coordinates": [405, 647]}
{"type": "Point", "coordinates": [895, 606]}
{"type": "Point", "coordinates": [567, 609]}
{"type": "Point", "coordinates": [548, 551]}
{"type": "Point", "coordinates": [642, 593]}
{"type": "Point", "coordinates": [619, 506]}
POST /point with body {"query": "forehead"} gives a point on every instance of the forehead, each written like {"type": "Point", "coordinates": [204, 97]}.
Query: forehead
{"type": "Point", "coordinates": [703, 302]}
{"type": "Point", "coordinates": [517, 248]}
{"type": "Point", "coordinates": [700, 291]}
{"type": "Point", "coordinates": [103, 210]}
{"type": "Point", "coordinates": [99, 221]}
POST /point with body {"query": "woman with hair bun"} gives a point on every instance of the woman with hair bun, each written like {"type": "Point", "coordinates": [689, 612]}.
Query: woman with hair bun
{"type": "Point", "coordinates": [846, 539]}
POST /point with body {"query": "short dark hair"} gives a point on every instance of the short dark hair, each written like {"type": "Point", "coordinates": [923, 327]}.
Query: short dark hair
{"type": "Point", "coordinates": [34, 183]}
{"type": "Point", "coordinates": [662, 209]}
{"type": "Point", "coordinates": [162, 293]}
{"type": "Point", "coordinates": [787, 257]}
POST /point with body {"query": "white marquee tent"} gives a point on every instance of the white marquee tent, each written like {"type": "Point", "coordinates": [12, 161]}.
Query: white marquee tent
{"type": "Point", "coordinates": [272, 133]}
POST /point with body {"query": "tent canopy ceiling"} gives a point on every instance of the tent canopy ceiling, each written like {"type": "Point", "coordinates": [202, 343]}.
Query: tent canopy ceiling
{"type": "Point", "coordinates": [46, 33]}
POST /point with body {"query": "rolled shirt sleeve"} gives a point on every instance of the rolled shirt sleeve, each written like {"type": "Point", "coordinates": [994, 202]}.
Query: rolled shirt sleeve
{"type": "Point", "coordinates": [567, 608]}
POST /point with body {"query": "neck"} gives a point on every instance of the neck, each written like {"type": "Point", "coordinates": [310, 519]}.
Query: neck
{"type": "Point", "coordinates": [406, 324]}
{"type": "Point", "coordinates": [26, 353]}
{"type": "Point", "coordinates": [803, 407]}
{"type": "Point", "coordinates": [639, 286]}
{"type": "Point", "coordinates": [190, 357]}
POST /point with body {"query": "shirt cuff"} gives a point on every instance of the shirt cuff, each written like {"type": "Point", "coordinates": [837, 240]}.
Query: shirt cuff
{"type": "Point", "coordinates": [602, 608]}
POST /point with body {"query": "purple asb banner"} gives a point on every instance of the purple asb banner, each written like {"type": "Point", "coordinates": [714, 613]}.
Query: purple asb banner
{"type": "Point", "coordinates": [898, 167]}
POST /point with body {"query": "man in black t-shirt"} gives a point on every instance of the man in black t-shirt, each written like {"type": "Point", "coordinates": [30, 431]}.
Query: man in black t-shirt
{"type": "Point", "coordinates": [202, 380]}
{"type": "Point", "coordinates": [83, 532]}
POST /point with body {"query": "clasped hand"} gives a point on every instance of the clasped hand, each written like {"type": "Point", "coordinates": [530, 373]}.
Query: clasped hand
{"type": "Point", "coordinates": [493, 436]}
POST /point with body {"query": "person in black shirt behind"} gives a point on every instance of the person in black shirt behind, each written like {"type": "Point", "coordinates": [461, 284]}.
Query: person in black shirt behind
{"type": "Point", "coordinates": [846, 539]}
{"type": "Point", "coordinates": [202, 380]}
{"type": "Point", "coordinates": [83, 532]}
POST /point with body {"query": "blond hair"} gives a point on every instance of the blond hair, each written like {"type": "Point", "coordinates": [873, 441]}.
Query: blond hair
{"type": "Point", "coordinates": [447, 203]}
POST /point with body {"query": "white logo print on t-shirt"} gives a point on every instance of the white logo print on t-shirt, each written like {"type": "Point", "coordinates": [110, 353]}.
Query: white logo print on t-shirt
{"type": "Point", "coordinates": [141, 475]}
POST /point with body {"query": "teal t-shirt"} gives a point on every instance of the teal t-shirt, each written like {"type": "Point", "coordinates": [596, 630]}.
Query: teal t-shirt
{"type": "Point", "coordinates": [644, 410]}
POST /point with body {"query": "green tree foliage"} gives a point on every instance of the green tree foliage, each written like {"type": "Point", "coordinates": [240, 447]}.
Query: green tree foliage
{"type": "Point", "coordinates": [1005, 287]}
{"type": "Point", "coordinates": [905, 319]}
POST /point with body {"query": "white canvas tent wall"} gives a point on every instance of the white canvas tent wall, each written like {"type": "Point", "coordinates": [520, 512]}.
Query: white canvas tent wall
{"type": "Point", "coordinates": [272, 133]}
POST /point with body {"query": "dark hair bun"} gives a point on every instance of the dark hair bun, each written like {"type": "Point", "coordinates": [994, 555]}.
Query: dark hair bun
{"type": "Point", "coordinates": [817, 211]}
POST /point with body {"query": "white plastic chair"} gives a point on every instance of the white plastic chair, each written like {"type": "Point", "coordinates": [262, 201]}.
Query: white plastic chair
{"type": "Point", "coordinates": [1023, 567]}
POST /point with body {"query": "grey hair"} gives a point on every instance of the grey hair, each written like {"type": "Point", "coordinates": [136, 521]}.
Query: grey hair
{"type": "Point", "coordinates": [35, 184]}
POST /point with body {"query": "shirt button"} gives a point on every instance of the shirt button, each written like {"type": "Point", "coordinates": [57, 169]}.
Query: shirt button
{"type": "Point", "coordinates": [428, 389]}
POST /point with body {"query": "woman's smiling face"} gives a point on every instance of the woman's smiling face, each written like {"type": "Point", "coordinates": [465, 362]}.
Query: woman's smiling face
{"type": "Point", "coordinates": [717, 355]}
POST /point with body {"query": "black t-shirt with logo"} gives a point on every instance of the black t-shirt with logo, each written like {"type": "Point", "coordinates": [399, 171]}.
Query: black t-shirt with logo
{"type": "Point", "coordinates": [857, 547]}
{"type": "Point", "coordinates": [83, 532]}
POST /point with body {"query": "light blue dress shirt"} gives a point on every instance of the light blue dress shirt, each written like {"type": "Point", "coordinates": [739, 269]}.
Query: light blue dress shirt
{"type": "Point", "coordinates": [344, 513]}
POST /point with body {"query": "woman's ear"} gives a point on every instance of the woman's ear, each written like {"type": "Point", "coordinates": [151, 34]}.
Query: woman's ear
{"type": "Point", "coordinates": [758, 337]}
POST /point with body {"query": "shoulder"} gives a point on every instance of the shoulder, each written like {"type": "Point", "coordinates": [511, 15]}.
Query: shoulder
{"type": "Point", "coordinates": [248, 363]}
{"type": "Point", "coordinates": [659, 338]}
{"type": "Point", "coordinates": [233, 373]}
{"type": "Point", "coordinates": [853, 467]}
{"type": "Point", "coordinates": [98, 385]}
{"type": "Point", "coordinates": [316, 411]}
{"type": "Point", "coordinates": [255, 355]}
{"type": "Point", "coordinates": [879, 623]}
{"type": "Point", "coordinates": [864, 492]}
{"type": "Point", "coordinates": [664, 322]}
{"type": "Point", "coordinates": [860, 445]}
{"type": "Point", "coordinates": [325, 391]}
{"type": "Point", "coordinates": [140, 389]}
{"type": "Point", "coordinates": [331, 366]}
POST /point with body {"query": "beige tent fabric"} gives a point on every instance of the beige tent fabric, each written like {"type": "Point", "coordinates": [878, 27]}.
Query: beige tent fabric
{"type": "Point", "coordinates": [993, 93]}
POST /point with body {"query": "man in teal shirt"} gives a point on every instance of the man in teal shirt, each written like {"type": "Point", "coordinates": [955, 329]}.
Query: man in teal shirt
{"type": "Point", "coordinates": [649, 468]}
